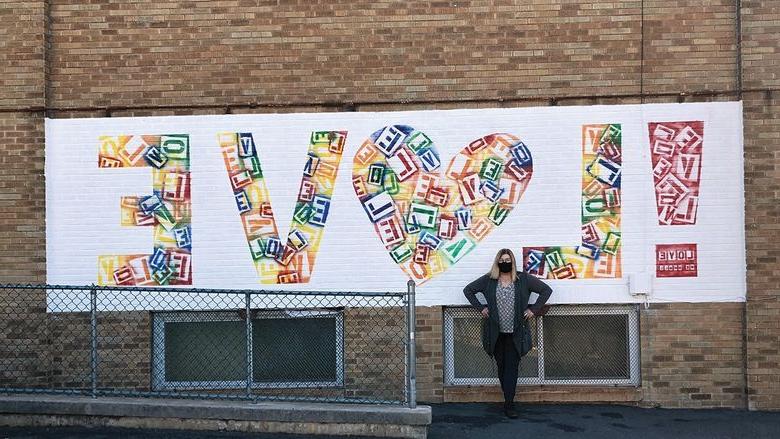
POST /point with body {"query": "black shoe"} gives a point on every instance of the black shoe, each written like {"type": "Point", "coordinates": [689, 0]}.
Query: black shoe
{"type": "Point", "coordinates": [509, 411]}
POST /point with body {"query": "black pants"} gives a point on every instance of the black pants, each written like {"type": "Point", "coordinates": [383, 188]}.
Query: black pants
{"type": "Point", "coordinates": [507, 360]}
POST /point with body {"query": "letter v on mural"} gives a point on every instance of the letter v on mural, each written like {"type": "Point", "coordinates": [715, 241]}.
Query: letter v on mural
{"type": "Point", "coordinates": [582, 194]}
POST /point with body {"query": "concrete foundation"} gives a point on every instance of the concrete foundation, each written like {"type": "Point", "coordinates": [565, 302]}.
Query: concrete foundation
{"type": "Point", "coordinates": [267, 417]}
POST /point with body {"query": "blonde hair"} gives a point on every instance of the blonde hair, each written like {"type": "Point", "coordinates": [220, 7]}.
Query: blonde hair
{"type": "Point", "coordinates": [494, 271]}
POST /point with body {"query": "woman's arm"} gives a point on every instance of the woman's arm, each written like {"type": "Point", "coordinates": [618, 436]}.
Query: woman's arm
{"type": "Point", "coordinates": [471, 290]}
{"type": "Point", "coordinates": [537, 286]}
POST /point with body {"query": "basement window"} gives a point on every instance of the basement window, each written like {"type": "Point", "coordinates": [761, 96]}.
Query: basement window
{"type": "Point", "coordinates": [573, 344]}
{"type": "Point", "coordinates": [212, 350]}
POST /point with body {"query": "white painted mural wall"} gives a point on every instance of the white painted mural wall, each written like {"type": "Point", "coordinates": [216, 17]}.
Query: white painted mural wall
{"type": "Point", "coordinates": [84, 215]}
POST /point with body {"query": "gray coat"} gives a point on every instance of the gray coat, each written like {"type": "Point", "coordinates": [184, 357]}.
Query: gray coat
{"type": "Point", "coordinates": [524, 285]}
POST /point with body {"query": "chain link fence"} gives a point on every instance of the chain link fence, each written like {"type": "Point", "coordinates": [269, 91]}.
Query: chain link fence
{"type": "Point", "coordinates": [194, 343]}
{"type": "Point", "coordinates": [573, 345]}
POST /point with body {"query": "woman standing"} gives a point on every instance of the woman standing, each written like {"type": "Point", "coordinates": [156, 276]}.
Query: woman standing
{"type": "Point", "coordinates": [505, 332]}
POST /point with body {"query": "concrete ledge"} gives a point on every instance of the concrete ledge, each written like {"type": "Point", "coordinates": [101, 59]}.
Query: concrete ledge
{"type": "Point", "coordinates": [278, 417]}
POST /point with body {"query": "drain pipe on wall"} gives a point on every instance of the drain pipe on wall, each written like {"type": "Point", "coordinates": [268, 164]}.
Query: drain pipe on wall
{"type": "Point", "coordinates": [738, 62]}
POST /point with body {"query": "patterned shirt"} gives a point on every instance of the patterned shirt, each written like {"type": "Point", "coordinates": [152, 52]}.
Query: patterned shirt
{"type": "Point", "coordinates": [505, 300]}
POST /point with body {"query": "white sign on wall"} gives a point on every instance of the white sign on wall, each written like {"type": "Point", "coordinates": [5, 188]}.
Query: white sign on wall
{"type": "Point", "coordinates": [585, 197]}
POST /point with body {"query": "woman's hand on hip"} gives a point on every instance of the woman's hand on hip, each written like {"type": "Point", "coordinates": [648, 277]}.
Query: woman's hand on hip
{"type": "Point", "coordinates": [528, 314]}
{"type": "Point", "coordinates": [485, 312]}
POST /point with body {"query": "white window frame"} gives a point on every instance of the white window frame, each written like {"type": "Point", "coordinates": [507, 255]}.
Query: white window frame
{"type": "Point", "coordinates": [634, 354]}
{"type": "Point", "coordinates": [159, 319]}
{"type": "Point", "coordinates": [449, 355]}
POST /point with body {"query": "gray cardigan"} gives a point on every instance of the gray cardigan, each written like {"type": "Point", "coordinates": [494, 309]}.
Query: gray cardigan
{"type": "Point", "coordinates": [524, 286]}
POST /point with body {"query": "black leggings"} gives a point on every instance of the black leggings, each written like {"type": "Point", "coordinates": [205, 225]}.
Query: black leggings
{"type": "Point", "coordinates": [507, 360]}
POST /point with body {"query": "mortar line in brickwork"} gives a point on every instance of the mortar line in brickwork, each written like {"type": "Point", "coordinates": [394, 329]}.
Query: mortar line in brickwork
{"type": "Point", "coordinates": [354, 105]}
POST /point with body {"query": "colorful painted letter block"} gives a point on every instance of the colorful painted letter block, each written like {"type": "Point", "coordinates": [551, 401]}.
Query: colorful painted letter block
{"type": "Point", "coordinates": [676, 151]}
{"type": "Point", "coordinates": [598, 255]}
{"type": "Point", "coordinates": [280, 261]}
{"type": "Point", "coordinates": [428, 220]}
{"type": "Point", "coordinates": [167, 209]}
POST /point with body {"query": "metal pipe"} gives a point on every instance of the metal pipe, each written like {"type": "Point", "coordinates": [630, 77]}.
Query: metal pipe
{"type": "Point", "coordinates": [411, 358]}
{"type": "Point", "coordinates": [407, 350]}
{"type": "Point", "coordinates": [93, 337]}
{"type": "Point", "coordinates": [745, 350]}
{"type": "Point", "coordinates": [248, 334]}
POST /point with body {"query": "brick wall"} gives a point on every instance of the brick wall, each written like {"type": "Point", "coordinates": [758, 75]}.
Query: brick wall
{"type": "Point", "coordinates": [22, 194]}
{"type": "Point", "coordinates": [374, 361]}
{"type": "Point", "coordinates": [188, 52]}
{"type": "Point", "coordinates": [22, 54]}
{"type": "Point", "coordinates": [692, 355]}
{"type": "Point", "coordinates": [22, 198]}
{"type": "Point", "coordinates": [761, 55]}
{"type": "Point", "coordinates": [395, 55]}
{"type": "Point", "coordinates": [430, 375]}
{"type": "Point", "coordinates": [762, 186]}
{"type": "Point", "coordinates": [689, 45]}
{"type": "Point", "coordinates": [24, 352]}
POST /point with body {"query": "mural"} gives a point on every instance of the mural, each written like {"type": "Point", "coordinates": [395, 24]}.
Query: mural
{"type": "Point", "coordinates": [290, 261]}
{"type": "Point", "coordinates": [598, 255]}
{"type": "Point", "coordinates": [422, 195]}
{"type": "Point", "coordinates": [167, 209]}
{"type": "Point", "coordinates": [428, 221]}
{"type": "Point", "coordinates": [676, 151]}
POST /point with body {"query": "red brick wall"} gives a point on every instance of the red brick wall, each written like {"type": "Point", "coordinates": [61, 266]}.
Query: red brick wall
{"type": "Point", "coordinates": [395, 55]}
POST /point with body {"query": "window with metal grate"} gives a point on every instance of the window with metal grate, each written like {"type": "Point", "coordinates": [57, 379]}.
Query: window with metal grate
{"type": "Point", "coordinates": [209, 349]}
{"type": "Point", "coordinates": [573, 344]}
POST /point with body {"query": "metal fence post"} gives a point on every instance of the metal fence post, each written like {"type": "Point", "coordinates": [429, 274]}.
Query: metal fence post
{"type": "Point", "coordinates": [248, 337]}
{"type": "Point", "coordinates": [411, 358]}
{"type": "Point", "coordinates": [93, 338]}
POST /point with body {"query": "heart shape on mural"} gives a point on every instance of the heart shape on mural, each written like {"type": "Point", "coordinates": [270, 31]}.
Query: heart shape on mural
{"type": "Point", "coordinates": [428, 221]}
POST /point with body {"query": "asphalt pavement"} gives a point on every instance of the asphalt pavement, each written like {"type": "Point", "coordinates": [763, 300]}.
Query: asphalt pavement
{"type": "Point", "coordinates": [456, 421]}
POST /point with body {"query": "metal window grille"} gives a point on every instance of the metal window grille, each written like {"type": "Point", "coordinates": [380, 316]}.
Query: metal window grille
{"type": "Point", "coordinates": [573, 345]}
{"type": "Point", "coordinates": [289, 349]}
{"type": "Point", "coordinates": [195, 343]}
